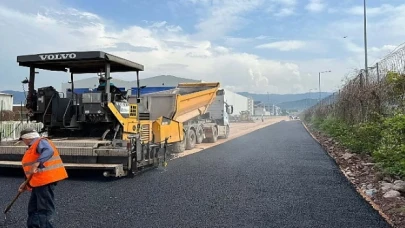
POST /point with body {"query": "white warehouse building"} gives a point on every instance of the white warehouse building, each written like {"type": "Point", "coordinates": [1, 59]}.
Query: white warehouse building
{"type": "Point", "coordinates": [6, 102]}
{"type": "Point", "coordinates": [159, 83]}
{"type": "Point", "coordinates": [240, 103]}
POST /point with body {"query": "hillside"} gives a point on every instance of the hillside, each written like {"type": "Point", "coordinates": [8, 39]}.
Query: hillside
{"type": "Point", "coordinates": [17, 96]}
{"type": "Point", "coordinates": [281, 98]}
{"type": "Point", "coordinates": [297, 105]}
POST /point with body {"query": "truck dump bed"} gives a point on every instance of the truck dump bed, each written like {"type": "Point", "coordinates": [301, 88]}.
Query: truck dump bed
{"type": "Point", "coordinates": [182, 103]}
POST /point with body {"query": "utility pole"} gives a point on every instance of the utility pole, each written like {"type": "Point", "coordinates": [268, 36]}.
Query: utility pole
{"type": "Point", "coordinates": [310, 97]}
{"type": "Point", "coordinates": [268, 101]}
{"type": "Point", "coordinates": [1, 111]}
{"type": "Point", "coordinates": [319, 82]}
{"type": "Point", "coordinates": [363, 110]}
{"type": "Point", "coordinates": [378, 73]}
{"type": "Point", "coordinates": [1, 120]}
{"type": "Point", "coordinates": [365, 47]}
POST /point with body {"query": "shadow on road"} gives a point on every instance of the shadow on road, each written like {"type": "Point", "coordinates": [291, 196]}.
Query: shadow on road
{"type": "Point", "coordinates": [84, 175]}
{"type": "Point", "coordinates": [77, 175]}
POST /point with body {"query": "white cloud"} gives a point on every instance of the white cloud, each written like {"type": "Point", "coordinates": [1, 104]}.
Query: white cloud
{"type": "Point", "coordinates": [384, 31]}
{"type": "Point", "coordinates": [261, 37]}
{"type": "Point", "coordinates": [223, 16]}
{"type": "Point", "coordinates": [165, 48]}
{"type": "Point", "coordinates": [158, 24]}
{"type": "Point", "coordinates": [281, 8]}
{"type": "Point", "coordinates": [359, 48]}
{"type": "Point", "coordinates": [287, 45]}
{"type": "Point", "coordinates": [374, 53]}
{"type": "Point", "coordinates": [384, 48]}
{"type": "Point", "coordinates": [234, 41]}
{"type": "Point", "coordinates": [284, 12]}
{"type": "Point", "coordinates": [285, 2]}
{"type": "Point", "coordinates": [315, 5]}
{"type": "Point", "coordinates": [372, 11]}
{"type": "Point", "coordinates": [162, 49]}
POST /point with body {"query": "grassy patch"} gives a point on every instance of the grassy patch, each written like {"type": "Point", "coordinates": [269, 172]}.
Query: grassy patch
{"type": "Point", "coordinates": [390, 154]}
{"type": "Point", "coordinates": [360, 138]}
{"type": "Point", "coordinates": [382, 138]}
{"type": "Point", "coordinates": [398, 210]}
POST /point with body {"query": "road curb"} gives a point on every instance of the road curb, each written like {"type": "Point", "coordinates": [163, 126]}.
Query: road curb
{"type": "Point", "coordinates": [365, 197]}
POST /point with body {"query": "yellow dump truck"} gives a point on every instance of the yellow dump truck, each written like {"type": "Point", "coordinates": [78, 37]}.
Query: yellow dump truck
{"type": "Point", "coordinates": [106, 129]}
{"type": "Point", "coordinates": [188, 104]}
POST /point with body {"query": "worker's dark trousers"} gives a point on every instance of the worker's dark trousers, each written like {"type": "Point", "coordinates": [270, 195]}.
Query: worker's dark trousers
{"type": "Point", "coordinates": [41, 207]}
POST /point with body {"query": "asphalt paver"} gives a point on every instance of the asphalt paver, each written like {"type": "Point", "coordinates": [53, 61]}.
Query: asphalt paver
{"type": "Point", "coordinates": [277, 176]}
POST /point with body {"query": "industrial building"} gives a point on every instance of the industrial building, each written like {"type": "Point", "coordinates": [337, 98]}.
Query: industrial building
{"type": "Point", "coordinates": [6, 102]}
{"type": "Point", "coordinates": [240, 103]}
{"type": "Point", "coordinates": [261, 109]}
{"type": "Point", "coordinates": [159, 83]}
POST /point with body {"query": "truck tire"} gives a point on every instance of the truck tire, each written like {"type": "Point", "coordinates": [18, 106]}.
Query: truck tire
{"type": "Point", "coordinates": [214, 135]}
{"type": "Point", "coordinates": [199, 134]}
{"type": "Point", "coordinates": [179, 147]}
{"type": "Point", "coordinates": [191, 139]}
{"type": "Point", "coordinates": [227, 131]}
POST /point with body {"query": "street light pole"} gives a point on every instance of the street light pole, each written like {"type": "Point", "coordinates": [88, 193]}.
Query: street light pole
{"type": "Point", "coordinates": [268, 101]}
{"type": "Point", "coordinates": [319, 81]}
{"type": "Point", "coordinates": [319, 86]}
{"type": "Point", "coordinates": [310, 97]}
{"type": "Point", "coordinates": [365, 46]}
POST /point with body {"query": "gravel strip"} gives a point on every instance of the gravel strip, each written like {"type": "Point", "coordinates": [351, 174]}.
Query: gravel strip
{"type": "Point", "coordinates": [277, 176]}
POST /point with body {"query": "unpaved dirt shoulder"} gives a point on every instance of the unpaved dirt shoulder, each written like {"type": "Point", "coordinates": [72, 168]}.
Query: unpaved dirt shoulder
{"type": "Point", "coordinates": [237, 130]}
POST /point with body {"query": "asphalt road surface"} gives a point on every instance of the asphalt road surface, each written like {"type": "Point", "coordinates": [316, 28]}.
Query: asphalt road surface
{"type": "Point", "coordinates": [274, 177]}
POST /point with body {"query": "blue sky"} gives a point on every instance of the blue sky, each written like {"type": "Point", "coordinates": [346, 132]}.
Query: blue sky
{"type": "Point", "coordinates": [261, 46]}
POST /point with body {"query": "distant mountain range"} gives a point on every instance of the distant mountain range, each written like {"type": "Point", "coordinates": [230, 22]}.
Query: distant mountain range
{"type": "Point", "coordinates": [297, 105]}
{"type": "Point", "coordinates": [18, 96]}
{"type": "Point", "coordinates": [281, 98]}
{"type": "Point", "coordinates": [284, 101]}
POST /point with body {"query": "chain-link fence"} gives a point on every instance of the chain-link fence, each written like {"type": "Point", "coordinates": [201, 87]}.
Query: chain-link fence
{"type": "Point", "coordinates": [381, 91]}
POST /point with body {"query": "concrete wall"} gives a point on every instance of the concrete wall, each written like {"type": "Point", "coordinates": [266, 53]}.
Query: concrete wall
{"type": "Point", "coordinates": [6, 102]}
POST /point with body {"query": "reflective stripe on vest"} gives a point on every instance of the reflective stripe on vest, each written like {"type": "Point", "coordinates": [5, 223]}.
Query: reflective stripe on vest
{"type": "Point", "coordinates": [53, 170]}
{"type": "Point", "coordinates": [53, 158]}
{"type": "Point", "coordinates": [51, 167]}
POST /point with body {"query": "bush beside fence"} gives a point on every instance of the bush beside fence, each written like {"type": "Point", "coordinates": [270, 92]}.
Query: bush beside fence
{"type": "Point", "coordinates": [367, 116]}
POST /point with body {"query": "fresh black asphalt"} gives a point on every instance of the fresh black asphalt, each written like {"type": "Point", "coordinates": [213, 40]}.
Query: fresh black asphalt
{"type": "Point", "coordinates": [274, 177]}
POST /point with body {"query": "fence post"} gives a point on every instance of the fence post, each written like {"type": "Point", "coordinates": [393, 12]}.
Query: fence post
{"type": "Point", "coordinates": [1, 111]}
{"type": "Point", "coordinates": [1, 120]}
{"type": "Point", "coordinates": [378, 72]}
{"type": "Point", "coordinates": [15, 131]}
{"type": "Point", "coordinates": [21, 110]}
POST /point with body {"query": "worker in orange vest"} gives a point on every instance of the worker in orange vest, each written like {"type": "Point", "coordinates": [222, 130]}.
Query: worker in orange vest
{"type": "Point", "coordinates": [42, 161]}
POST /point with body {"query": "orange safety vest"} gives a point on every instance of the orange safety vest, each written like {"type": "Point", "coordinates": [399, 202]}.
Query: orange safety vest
{"type": "Point", "coordinates": [53, 170]}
